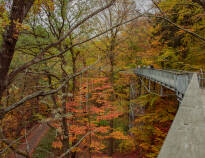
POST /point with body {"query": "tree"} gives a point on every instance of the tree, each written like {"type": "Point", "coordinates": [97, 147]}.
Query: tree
{"type": "Point", "coordinates": [38, 58]}
{"type": "Point", "coordinates": [116, 14]}
{"type": "Point", "coordinates": [177, 46]}
{"type": "Point", "coordinates": [18, 13]}
{"type": "Point", "coordinates": [91, 111]}
{"type": "Point", "coordinates": [200, 2]}
{"type": "Point", "coordinates": [32, 44]}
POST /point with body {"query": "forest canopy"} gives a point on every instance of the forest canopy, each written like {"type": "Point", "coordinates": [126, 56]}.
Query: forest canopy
{"type": "Point", "coordinates": [62, 64]}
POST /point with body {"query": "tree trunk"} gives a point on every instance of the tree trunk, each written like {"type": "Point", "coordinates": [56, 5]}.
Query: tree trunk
{"type": "Point", "coordinates": [112, 64]}
{"type": "Point", "coordinates": [19, 11]}
{"type": "Point", "coordinates": [111, 121]}
{"type": "Point", "coordinates": [74, 71]}
{"type": "Point", "coordinates": [111, 57]}
{"type": "Point", "coordinates": [64, 122]}
{"type": "Point", "coordinates": [65, 127]}
{"type": "Point", "coordinates": [52, 95]}
{"type": "Point", "coordinates": [73, 154]}
{"type": "Point", "coordinates": [89, 119]}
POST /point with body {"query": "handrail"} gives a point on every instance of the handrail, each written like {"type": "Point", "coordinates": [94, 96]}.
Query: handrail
{"type": "Point", "coordinates": [177, 81]}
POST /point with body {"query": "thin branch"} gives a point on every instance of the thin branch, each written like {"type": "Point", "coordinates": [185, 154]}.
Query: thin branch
{"type": "Point", "coordinates": [155, 3]}
{"type": "Point", "coordinates": [26, 141]}
{"type": "Point", "coordinates": [179, 27]}
{"type": "Point", "coordinates": [15, 141]}
{"type": "Point", "coordinates": [164, 17]}
{"type": "Point", "coordinates": [69, 150]}
{"type": "Point", "coordinates": [42, 73]}
{"type": "Point", "coordinates": [37, 60]}
{"type": "Point", "coordinates": [13, 148]}
{"type": "Point", "coordinates": [44, 93]}
{"type": "Point", "coordinates": [80, 23]}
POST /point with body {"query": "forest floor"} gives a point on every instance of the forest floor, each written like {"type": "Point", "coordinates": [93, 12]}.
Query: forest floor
{"type": "Point", "coordinates": [38, 138]}
{"type": "Point", "coordinates": [120, 155]}
{"type": "Point", "coordinates": [33, 140]}
{"type": "Point", "coordinates": [116, 155]}
{"type": "Point", "coordinates": [131, 155]}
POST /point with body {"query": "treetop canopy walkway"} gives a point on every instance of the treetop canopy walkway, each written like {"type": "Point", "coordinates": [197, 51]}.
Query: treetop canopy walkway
{"type": "Point", "coordinates": [186, 137]}
{"type": "Point", "coordinates": [177, 81]}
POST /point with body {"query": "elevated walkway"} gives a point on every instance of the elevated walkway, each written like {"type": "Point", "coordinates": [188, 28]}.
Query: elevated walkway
{"type": "Point", "coordinates": [176, 81]}
{"type": "Point", "coordinates": [186, 137]}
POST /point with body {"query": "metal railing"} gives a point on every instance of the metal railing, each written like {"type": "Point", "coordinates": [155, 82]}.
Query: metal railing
{"type": "Point", "coordinates": [177, 81]}
{"type": "Point", "coordinates": [201, 77]}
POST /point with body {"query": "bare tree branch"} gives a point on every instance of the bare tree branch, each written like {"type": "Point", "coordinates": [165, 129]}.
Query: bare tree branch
{"type": "Point", "coordinates": [80, 23]}
{"type": "Point", "coordinates": [164, 17]}
{"type": "Point", "coordinates": [180, 28]}
{"type": "Point", "coordinates": [44, 93]}
{"type": "Point", "coordinates": [11, 146]}
{"type": "Point", "coordinates": [38, 60]}
{"type": "Point", "coordinates": [69, 150]}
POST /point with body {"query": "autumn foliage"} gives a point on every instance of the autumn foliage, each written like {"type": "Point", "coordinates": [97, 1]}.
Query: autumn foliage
{"type": "Point", "coordinates": [68, 65]}
{"type": "Point", "coordinates": [91, 111]}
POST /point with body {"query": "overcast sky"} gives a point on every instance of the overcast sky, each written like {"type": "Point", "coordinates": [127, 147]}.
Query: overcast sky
{"type": "Point", "coordinates": [143, 4]}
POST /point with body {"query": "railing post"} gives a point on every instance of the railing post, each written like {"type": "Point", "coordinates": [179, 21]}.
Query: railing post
{"type": "Point", "coordinates": [140, 86]}
{"type": "Point", "coordinates": [144, 85]}
{"type": "Point", "coordinates": [176, 81]}
{"type": "Point", "coordinates": [154, 86]}
{"type": "Point", "coordinates": [149, 85]}
{"type": "Point", "coordinates": [161, 91]}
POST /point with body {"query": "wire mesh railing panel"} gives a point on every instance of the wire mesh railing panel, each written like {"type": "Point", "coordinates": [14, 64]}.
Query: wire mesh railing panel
{"type": "Point", "coordinates": [201, 77]}
{"type": "Point", "coordinates": [177, 81]}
